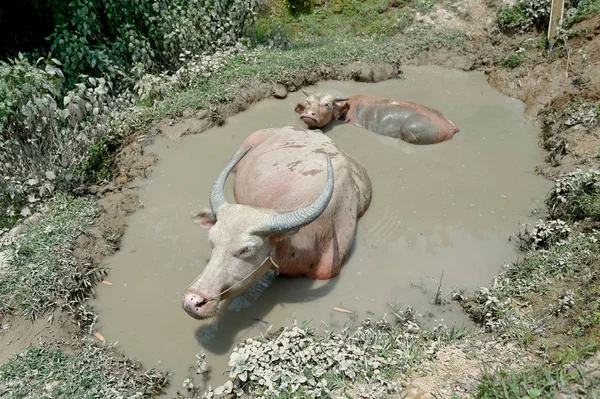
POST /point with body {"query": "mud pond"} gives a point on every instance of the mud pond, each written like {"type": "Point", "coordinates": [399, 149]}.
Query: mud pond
{"type": "Point", "coordinates": [445, 208]}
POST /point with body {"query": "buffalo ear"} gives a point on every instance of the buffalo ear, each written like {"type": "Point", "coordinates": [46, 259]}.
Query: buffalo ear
{"type": "Point", "coordinates": [299, 108]}
{"type": "Point", "coordinates": [339, 110]}
{"type": "Point", "coordinates": [205, 218]}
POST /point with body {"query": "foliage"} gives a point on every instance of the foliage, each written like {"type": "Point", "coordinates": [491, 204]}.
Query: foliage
{"type": "Point", "coordinates": [297, 7]}
{"type": "Point", "coordinates": [45, 371]}
{"type": "Point", "coordinates": [54, 120]}
{"type": "Point", "coordinates": [496, 307]}
{"type": "Point", "coordinates": [41, 272]}
{"type": "Point", "coordinates": [107, 37]}
{"type": "Point", "coordinates": [583, 9]}
{"type": "Point", "coordinates": [524, 15]}
{"type": "Point", "coordinates": [533, 382]}
{"type": "Point", "coordinates": [297, 362]}
{"type": "Point", "coordinates": [332, 21]}
{"type": "Point", "coordinates": [543, 235]}
{"type": "Point", "coordinates": [45, 132]}
{"type": "Point", "coordinates": [512, 60]}
{"type": "Point", "coordinates": [576, 196]}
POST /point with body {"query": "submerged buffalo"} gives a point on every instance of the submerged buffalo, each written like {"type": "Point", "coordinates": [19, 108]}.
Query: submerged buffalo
{"type": "Point", "coordinates": [411, 122]}
{"type": "Point", "coordinates": [289, 216]}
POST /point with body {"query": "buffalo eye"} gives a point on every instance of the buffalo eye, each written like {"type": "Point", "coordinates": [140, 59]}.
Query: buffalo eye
{"type": "Point", "coordinates": [246, 250]}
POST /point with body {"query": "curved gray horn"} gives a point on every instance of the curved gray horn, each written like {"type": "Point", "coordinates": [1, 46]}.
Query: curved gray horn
{"type": "Point", "coordinates": [281, 223]}
{"type": "Point", "coordinates": [307, 92]}
{"type": "Point", "coordinates": [336, 99]}
{"type": "Point", "coordinates": [217, 198]}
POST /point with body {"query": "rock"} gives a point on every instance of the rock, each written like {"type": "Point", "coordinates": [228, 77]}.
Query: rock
{"type": "Point", "coordinates": [202, 114]}
{"type": "Point", "coordinates": [188, 113]}
{"type": "Point", "coordinates": [279, 91]}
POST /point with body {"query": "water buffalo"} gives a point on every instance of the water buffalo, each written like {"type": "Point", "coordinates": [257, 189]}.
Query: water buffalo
{"type": "Point", "coordinates": [289, 214]}
{"type": "Point", "coordinates": [411, 122]}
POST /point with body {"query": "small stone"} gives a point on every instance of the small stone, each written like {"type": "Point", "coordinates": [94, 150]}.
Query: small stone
{"type": "Point", "coordinates": [279, 91]}
{"type": "Point", "coordinates": [187, 113]}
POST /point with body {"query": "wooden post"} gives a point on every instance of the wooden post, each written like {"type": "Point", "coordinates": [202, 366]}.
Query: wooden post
{"type": "Point", "coordinates": [556, 18]}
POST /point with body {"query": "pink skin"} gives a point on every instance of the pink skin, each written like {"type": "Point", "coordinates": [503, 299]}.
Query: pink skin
{"type": "Point", "coordinates": [411, 122]}
{"type": "Point", "coordinates": [285, 170]}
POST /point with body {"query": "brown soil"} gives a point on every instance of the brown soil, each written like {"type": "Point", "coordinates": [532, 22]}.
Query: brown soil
{"type": "Point", "coordinates": [17, 334]}
{"type": "Point", "coordinates": [543, 83]}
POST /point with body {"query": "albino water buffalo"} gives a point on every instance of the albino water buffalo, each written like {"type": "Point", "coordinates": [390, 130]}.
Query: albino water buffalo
{"type": "Point", "coordinates": [289, 216]}
{"type": "Point", "coordinates": [411, 122]}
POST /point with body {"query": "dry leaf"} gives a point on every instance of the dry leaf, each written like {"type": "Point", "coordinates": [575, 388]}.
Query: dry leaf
{"type": "Point", "coordinates": [342, 310]}
{"type": "Point", "coordinates": [99, 336]}
{"type": "Point", "coordinates": [106, 282]}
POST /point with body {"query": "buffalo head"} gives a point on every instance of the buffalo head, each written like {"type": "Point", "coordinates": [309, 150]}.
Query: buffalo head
{"type": "Point", "coordinates": [242, 240]}
{"type": "Point", "coordinates": [319, 109]}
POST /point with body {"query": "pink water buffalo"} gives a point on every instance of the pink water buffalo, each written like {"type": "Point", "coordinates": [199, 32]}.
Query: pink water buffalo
{"type": "Point", "coordinates": [411, 122]}
{"type": "Point", "coordinates": [289, 216]}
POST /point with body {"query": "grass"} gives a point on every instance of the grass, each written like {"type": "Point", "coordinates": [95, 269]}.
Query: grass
{"type": "Point", "coordinates": [277, 65]}
{"type": "Point", "coordinates": [512, 19]}
{"type": "Point", "coordinates": [45, 371]}
{"type": "Point", "coordinates": [584, 9]}
{"type": "Point", "coordinates": [512, 60]}
{"type": "Point", "coordinates": [576, 196]}
{"type": "Point", "coordinates": [98, 167]}
{"type": "Point", "coordinates": [571, 373]}
{"type": "Point", "coordinates": [42, 272]}
{"type": "Point", "coordinates": [338, 19]}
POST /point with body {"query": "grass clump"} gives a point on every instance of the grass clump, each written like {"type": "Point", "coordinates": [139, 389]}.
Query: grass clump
{"type": "Point", "coordinates": [512, 60]}
{"type": "Point", "coordinates": [576, 196]}
{"type": "Point", "coordinates": [297, 362]}
{"type": "Point", "coordinates": [99, 164]}
{"type": "Point", "coordinates": [41, 272]}
{"type": "Point", "coordinates": [498, 307]}
{"type": "Point", "coordinates": [584, 9]}
{"type": "Point", "coordinates": [45, 371]}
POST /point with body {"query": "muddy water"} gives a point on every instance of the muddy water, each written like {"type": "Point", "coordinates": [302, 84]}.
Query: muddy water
{"type": "Point", "coordinates": [447, 208]}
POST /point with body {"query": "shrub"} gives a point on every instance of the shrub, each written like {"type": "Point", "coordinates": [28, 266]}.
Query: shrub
{"type": "Point", "coordinates": [576, 196]}
{"type": "Point", "coordinates": [44, 132]}
{"type": "Point", "coordinates": [524, 15]}
{"type": "Point", "coordinates": [108, 37]}
{"type": "Point", "coordinates": [512, 60]}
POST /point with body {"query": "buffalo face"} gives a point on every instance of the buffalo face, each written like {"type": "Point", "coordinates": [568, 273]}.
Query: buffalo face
{"type": "Point", "coordinates": [319, 109]}
{"type": "Point", "coordinates": [242, 240]}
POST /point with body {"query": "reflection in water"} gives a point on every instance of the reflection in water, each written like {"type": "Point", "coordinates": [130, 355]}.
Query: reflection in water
{"type": "Point", "coordinates": [447, 208]}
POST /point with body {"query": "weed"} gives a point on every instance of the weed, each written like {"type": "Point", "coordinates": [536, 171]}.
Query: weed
{"type": "Point", "coordinates": [511, 19]}
{"type": "Point", "coordinates": [584, 9]}
{"type": "Point", "coordinates": [41, 273]}
{"type": "Point", "coordinates": [576, 196]}
{"type": "Point", "coordinates": [498, 307]}
{"type": "Point", "coordinates": [99, 163]}
{"type": "Point", "coordinates": [512, 60]}
{"type": "Point", "coordinates": [524, 15]}
{"type": "Point", "coordinates": [533, 382]}
{"type": "Point", "coordinates": [45, 371]}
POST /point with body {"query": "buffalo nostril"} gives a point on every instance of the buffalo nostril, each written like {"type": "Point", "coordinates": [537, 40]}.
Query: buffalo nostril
{"type": "Point", "coordinates": [194, 302]}
{"type": "Point", "coordinates": [200, 302]}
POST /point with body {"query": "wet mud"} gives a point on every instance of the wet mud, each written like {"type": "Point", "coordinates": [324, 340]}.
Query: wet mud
{"type": "Point", "coordinates": [446, 208]}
